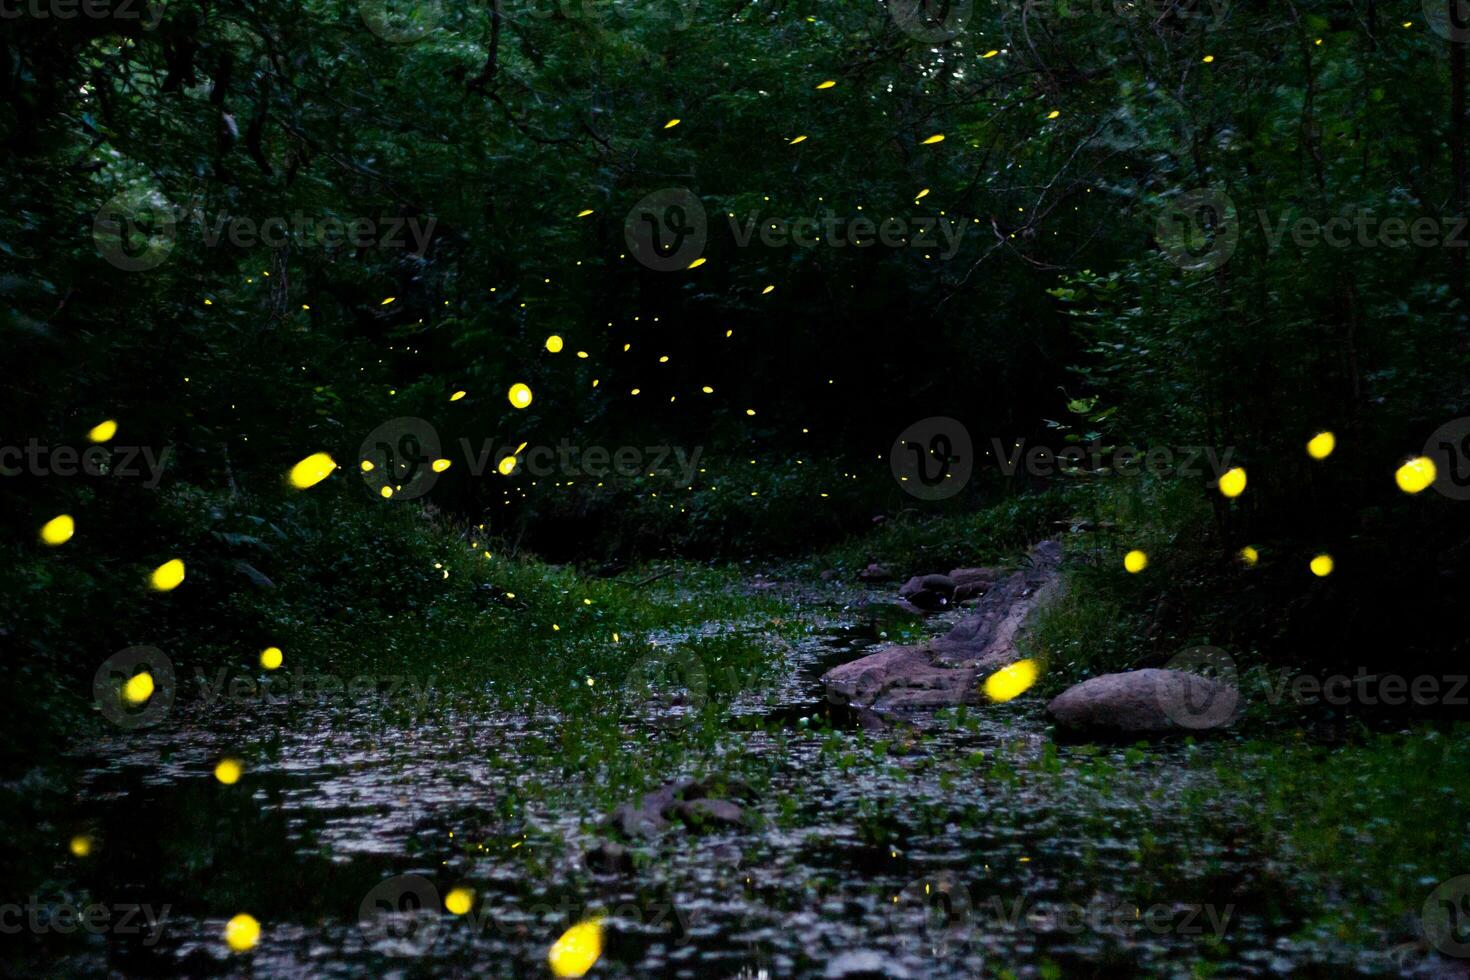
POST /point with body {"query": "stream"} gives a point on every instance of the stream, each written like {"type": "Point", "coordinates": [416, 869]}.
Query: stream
{"type": "Point", "coordinates": [970, 847]}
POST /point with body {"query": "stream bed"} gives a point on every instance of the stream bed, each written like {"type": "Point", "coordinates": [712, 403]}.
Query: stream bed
{"type": "Point", "coordinates": [973, 846]}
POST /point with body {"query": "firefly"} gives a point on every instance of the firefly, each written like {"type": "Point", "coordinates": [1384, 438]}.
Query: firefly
{"type": "Point", "coordinates": [58, 530]}
{"type": "Point", "coordinates": [312, 470]}
{"type": "Point", "coordinates": [242, 932]}
{"type": "Point", "coordinates": [1416, 474]}
{"type": "Point", "coordinates": [1320, 446]}
{"type": "Point", "coordinates": [577, 950]}
{"type": "Point", "coordinates": [1011, 681]}
{"type": "Point", "coordinates": [168, 576]}
{"type": "Point", "coordinates": [1232, 482]}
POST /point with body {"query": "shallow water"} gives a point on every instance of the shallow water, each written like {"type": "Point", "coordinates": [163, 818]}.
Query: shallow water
{"type": "Point", "coordinates": [956, 850]}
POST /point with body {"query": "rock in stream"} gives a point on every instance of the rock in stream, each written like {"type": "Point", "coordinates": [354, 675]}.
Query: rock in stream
{"type": "Point", "coordinates": [946, 672]}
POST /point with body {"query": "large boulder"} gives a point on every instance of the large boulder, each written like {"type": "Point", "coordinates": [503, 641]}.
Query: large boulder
{"type": "Point", "coordinates": [928, 592]}
{"type": "Point", "coordinates": [1146, 702]}
{"type": "Point", "coordinates": [947, 671]}
{"type": "Point", "coordinates": [972, 582]}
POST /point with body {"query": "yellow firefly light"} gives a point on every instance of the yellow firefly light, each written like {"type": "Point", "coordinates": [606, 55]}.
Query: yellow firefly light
{"type": "Point", "coordinates": [103, 431]}
{"type": "Point", "coordinates": [1320, 446]}
{"type": "Point", "coordinates": [554, 344]}
{"type": "Point", "coordinates": [1011, 681]}
{"type": "Point", "coordinates": [312, 470]}
{"type": "Point", "coordinates": [1232, 482]}
{"type": "Point", "coordinates": [81, 846]}
{"type": "Point", "coordinates": [584, 213]}
{"type": "Point", "coordinates": [799, 139]}
{"type": "Point", "coordinates": [936, 138]}
{"type": "Point", "coordinates": [440, 465]}
{"type": "Point", "coordinates": [577, 950]}
{"type": "Point", "coordinates": [1249, 556]}
{"type": "Point", "coordinates": [139, 688]}
{"type": "Point", "coordinates": [519, 395]}
{"type": "Point", "coordinates": [507, 466]}
{"type": "Point", "coordinates": [58, 530]}
{"type": "Point", "coordinates": [456, 396]}
{"type": "Point", "coordinates": [1322, 565]}
{"type": "Point", "coordinates": [459, 900]}
{"type": "Point", "coordinates": [698, 262]}
{"type": "Point", "coordinates": [989, 54]}
{"type": "Point", "coordinates": [242, 932]}
{"type": "Point", "coordinates": [1416, 474]}
{"type": "Point", "coordinates": [829, 83]}
{"type": "Point", "coordinates": [168, 576]}
{"type": "Point", "coordinates": [1135, 561]}
{"type": "Point", "coordinates": [271, 658]}
{"type": "Point", "coordinates": [228, 771]}
{"type": "Point", "coordinates": [672, 123]}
